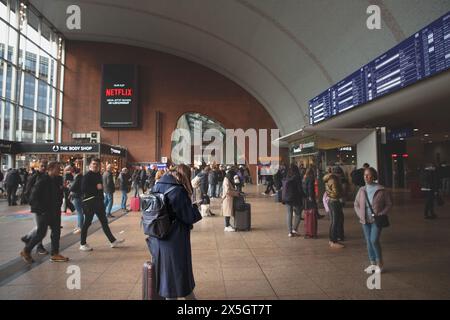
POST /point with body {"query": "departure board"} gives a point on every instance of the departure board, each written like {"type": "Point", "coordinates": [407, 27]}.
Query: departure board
{"type": "Point", "coordinates": [422, 55]}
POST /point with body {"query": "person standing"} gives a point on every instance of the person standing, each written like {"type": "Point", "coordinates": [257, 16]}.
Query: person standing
{"type": "Point", "coordinates": [93, 204]}
{"type": "Point", "coordinates": [212, 180]}
{"type": "Point", "coordinates": [124, 185]}
{"type": "Point", "coordinates": [372, 200]}
{"type": "Point", "coordinates": [429, 186]}
{"type": "Point", "coordinates": [292, 197]}
{"type": "Point", "coordinates": [12, 182]}
{"type": "Point", "coordinates": [108, 188]}
{"type": "Point", "coordinates": [229, 192]}
{"type": "Point", "coordinates": [172, 255]}
{"type": "Point", "coordinates": [143, 178]}
{"type": "Point", "coordinates": [46, 200]}
{"type": "Point", "coordinates": [67, 181]}
{"type": "Point", "coordinates": [135, 181]}
{"type": "Point", "coordinates": [220, 178]}
{"type": "Point", "coordinates": [333, 188]}
{"type": "Point", "coordinates": [75, 196]}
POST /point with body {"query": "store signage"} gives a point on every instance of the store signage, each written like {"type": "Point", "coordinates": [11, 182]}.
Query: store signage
{"type": "Point", "coordinates": [112, 150]}
{"type": "Point", "coordinates": [164, 159]}
{"type": "Point", "coordinates": [115, 151]}
{"type": "Point", "coordinates": [119, 99]}
{"type": "Point", "coordinates": [302, 146]}
{"type": "Point", "coordinates": [9, 147]}
{"type": "Point", "coordinates": [399, 134]}
{"type": "Point", "coordinates": [58, 148]}
{"type": "Point", "coordinates": [346, 149]}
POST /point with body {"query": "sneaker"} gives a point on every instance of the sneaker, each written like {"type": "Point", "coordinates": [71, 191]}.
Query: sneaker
{"type": "Point", "coordinates": [295, 233]}
{"type": "Point", "coordinates": [336, 245]}
{"type": "Point", "coordinates": [116, 243]}
{"type": "Point", "coordinates": [41, 251]}
{"type": "Point", "coordinates": [76, 231]}
{"type": "Point", "coordinates": [370, 269]}
{"type": "Point", "coordinates": [26, 257]}
{"type": "Point", "coordinates": [58, 258]}
{"type": "Point", "coordinates": [290, 235]}
{"type": "Point", "coordinates": [229, 229]}
{"type": "Point", "coordinates": [264, 194]}
{"type": "Point", "coordinates": [85, 247]}
{"type": "Point", "coordinates": [110, 216]}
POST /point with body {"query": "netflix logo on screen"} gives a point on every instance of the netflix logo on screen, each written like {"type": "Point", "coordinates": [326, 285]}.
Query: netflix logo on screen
{"type": "Point", "coordinates": [119, 106]}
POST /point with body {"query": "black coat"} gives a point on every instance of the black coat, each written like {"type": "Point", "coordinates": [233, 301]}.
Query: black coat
{"type": "Point", "coordinates": [172, 256]}
{"type": "Point", "coordinates": [203, 182]}
{"type": "Point", "coordinates": [13, 179]}
{"type": "Point", "coordinates": [75, 189]}
{"type": "Point", "coordinates": [124, 181]}
{"type": "Point", "coordinates": [292, 193]}
{"type": "Point", "coordinates": [47, 195]}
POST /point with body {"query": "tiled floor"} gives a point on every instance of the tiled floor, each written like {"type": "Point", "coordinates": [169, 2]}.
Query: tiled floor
{"type": "Point", "coordinates": [263, 263]}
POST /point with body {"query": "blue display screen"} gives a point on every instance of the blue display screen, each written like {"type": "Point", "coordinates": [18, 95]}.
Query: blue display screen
{"type": "Point", "coordinates": [424, 54]}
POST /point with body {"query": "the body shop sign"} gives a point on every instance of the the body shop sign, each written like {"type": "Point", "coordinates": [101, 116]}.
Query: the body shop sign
{"type": "Point", "coordinates": [119, 99]}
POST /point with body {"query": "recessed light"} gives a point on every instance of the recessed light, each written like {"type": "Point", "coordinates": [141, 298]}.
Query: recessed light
{"type": "Point", "coordinates": [426, 135]}
{"type": "Point", "coordinates": [430, 141]}
{"type": "Point", "coordinates": [401, 139]}
{"type": "Point", "coordinates": [446, 136]}
{"type": "Point", "coordinates": [415, 129]}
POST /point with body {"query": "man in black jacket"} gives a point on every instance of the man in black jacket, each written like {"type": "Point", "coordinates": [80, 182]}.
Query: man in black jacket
{"type": "Point", "coordinates": [37, 175]}
{"type": "Point", "coordinates": [92, 190]}
{"type": "Point", "coordinates": [12, 183]}
{"type": "Point", "coordinates": [46, 200]}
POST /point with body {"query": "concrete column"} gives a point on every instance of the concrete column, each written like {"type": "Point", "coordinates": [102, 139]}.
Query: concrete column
{"type": "Point", "coordinates": [366, 151]}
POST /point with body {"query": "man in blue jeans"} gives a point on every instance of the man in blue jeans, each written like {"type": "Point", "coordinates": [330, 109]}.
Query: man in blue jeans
{"type": "Point", "coordinates": [124, 182]}
{"type": "Point", "coordinates": [108, 189]}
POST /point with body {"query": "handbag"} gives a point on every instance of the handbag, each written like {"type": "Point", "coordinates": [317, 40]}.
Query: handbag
{"type": "Point", "coordinates": [382, 221]}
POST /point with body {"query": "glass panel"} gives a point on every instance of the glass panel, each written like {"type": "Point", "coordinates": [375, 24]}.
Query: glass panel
{"type": "Point", "coordinates": [46, 34]}
{"type": "Point", "coordinates": [3, 10]}
{"type": "Point", "coordinates": [27, 125]}
{"type": "Point", "coordinates": [42, 97]}
{"type": "Point", "coordinates": [3, 34]}
{"type": "Point", "coordinates": [7, 120]}
{"type": "Point", "coordinates": [43, 66]}
{"type": "Point", "coordinates": [9, 73]}
{"type": "Point", "coordinates": [51, 104]}
{"type": "Point", "coordinates": [12, 48]}
{"type": "Point", "coordinates": [53, 79]}
{"type": "Point", "coordinates": [40, 128]}
{"type": "Point", "coordinates": [2, 67]}
{"type": "Point", "coordinates": [28, 92]}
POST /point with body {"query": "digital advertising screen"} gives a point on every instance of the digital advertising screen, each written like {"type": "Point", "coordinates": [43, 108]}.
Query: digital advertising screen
{"type": "Point", "coordinates": [119, 96]}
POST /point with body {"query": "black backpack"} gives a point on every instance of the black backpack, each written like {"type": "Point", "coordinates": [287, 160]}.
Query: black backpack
{"type": "Point", "coordinates": [156, 218]}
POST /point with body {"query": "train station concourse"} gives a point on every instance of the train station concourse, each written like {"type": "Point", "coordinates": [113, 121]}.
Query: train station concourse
{"type": "Point", "coordinates": [225, 150]}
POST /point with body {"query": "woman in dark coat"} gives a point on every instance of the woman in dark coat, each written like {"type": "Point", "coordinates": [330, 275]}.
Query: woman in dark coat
{"type": "Point", "coordinates": [292, 197]}
{"type": "Point", "coordinates": [172, 255]}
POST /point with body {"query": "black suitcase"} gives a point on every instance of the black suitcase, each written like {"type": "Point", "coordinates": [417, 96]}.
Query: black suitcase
{"type": "Point", "coordinates": [243, 218]}
{"type": "Point", "coordinates": [238, 202]}
{"type": "Point", "coordinates": [149, 290]}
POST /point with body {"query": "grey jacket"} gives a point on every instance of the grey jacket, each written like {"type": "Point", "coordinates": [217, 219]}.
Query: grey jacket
{"type": "Point", "coordinates": [108, 182]}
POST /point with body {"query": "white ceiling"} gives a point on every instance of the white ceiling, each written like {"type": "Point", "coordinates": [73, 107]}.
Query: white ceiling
{"type": "Point", "coordinates": [284, 52]}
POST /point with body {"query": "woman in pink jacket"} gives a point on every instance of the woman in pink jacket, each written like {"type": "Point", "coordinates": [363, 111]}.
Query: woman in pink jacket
{"type": "Point", "coordinates": [372, 200]}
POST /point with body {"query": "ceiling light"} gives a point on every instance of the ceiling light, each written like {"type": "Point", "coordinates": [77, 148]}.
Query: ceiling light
{"type": "Point", "coordinates": [426, 135]}
{"type": "Point", "coordinates": [415, 129]}
{"type": "Point", "coordinates": [430, 141]}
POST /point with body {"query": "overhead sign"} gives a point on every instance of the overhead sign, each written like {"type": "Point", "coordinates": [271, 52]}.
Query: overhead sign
{"type": "Point", "coordinates": [119, 97]}
{"type": "Point", "coordinates": [303, 147]}
{"type": "Point", "coordinates": [420, 56]}
{"type": "Point", "coordinates": [399, 134]}
{"type": "Point", "coordinates": [58, 148]}
{"type": "Point", "coordinates": [8, 147]}
{"type": "Point", "coordinates": [113, 150]}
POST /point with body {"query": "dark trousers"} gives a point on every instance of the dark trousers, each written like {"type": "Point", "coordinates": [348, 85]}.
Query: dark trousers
{"type": "Point", "coordinates": [429, 203]}
{"type": "Point", "coordinates": [52, 220]}
{"type": "Point", "coordinates": [67, 203]}
{"type": "Point", "coordinates": [337, 220]}
{"type": "Point", "coordinates": [11, 191]}
{"type": "Point", "coordinates": [91, 208]}
{"type": "Point", "coordinates": [269, 188]}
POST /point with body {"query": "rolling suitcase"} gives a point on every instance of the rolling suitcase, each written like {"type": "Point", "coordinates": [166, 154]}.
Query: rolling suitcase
{"type": "Point", "coordinates": [243, 218]}
{"type": "Point", "coordinates": [135, 204]}
{"type": "Point", "coordinates": [310, 223]}
{"type": "Point", "coordinates": [149, 287]}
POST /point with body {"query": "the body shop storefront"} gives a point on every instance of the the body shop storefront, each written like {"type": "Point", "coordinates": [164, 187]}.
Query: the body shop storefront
{"type": "Point", "coordinates": [78, 155]}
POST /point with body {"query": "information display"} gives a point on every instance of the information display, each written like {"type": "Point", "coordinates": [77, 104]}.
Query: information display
{"type": "Point", "coordinates": [119, 105]}
{"type": "Point", "coordinates": [422, 55]}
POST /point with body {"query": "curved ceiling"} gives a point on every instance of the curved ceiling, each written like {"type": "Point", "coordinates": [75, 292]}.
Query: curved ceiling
{"type": "Point", "coordinates": [283, 52]}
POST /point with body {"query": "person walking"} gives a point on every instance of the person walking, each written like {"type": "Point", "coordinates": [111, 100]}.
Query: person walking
{"type": "Point", "coordinates": [292, 197]}
{"type": "Point", "coordinates": [333, 188]}
{"type": "Point", "coordinates": [108, 189]}
{"type": "Point", "coordinates": [46, 200]}
{"type": "Point", "coordinates": [67, 181]}
{"type": "Point", "coordinates": [35, 177]}
{"type": "Point", "coordinates": [372, 200]}
{"type": "Point", "coordinates": [76, 198]}
{"type": "Point", "coordinates": [93, 204]}
{"type": "Point", "coordinates": [172, 255]}
{"type": "Point", "coordinates": [124, 186]}
{"type": "Point", "coordinates": [135, 182]}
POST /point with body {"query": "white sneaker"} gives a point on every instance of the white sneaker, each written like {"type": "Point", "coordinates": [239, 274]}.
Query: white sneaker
{"type": "Point", "coordinates": [116, 243]}
{"type": "Point", "coordinates": [290, 234]}
{"type": "Point", "coordinates": [229, 229]}
{"type": "Point", "coordinates": [76, 231]}
{"type": "Point", "coordinates": [85, 247]}
{"type": "Point", "coordinates": [295, 233]}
